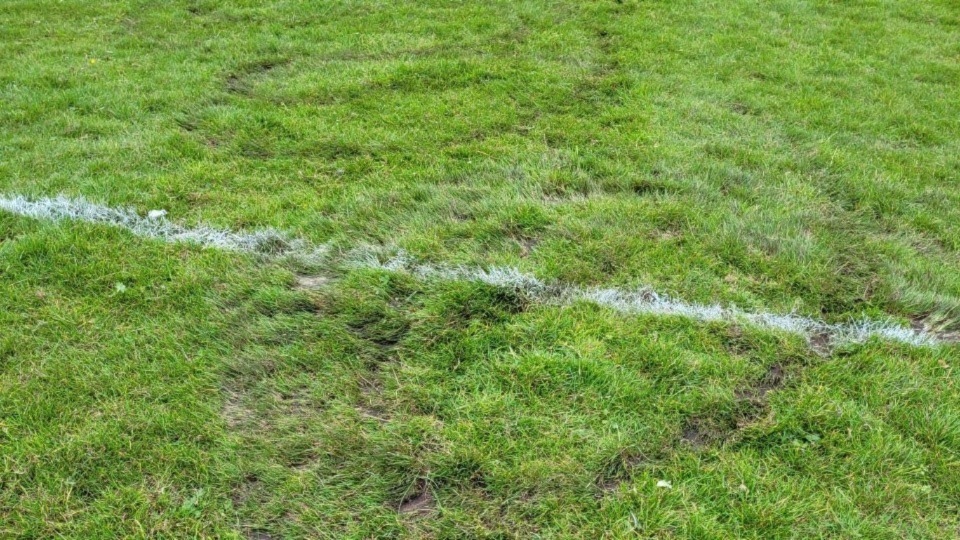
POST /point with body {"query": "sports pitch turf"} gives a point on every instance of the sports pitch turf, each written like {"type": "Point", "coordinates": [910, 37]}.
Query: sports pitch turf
{"type": "Point", "coordinates": [784, 157]}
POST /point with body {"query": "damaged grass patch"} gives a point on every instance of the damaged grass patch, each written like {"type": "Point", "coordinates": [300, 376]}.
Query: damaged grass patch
{"type": "Point", "coordinates": [751, 402]}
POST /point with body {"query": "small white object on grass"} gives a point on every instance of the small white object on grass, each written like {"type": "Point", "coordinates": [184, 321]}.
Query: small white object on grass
{"type": "Point", "coordinates": [156, 214]}
{"type": "Point", "coordinates": [664, 484]}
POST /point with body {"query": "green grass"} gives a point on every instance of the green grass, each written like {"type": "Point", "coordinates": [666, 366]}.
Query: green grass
{"type": "Point", "coordinates": [783, 156]}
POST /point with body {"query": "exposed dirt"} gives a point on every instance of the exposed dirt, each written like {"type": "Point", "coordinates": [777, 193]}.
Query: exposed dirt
{"type": "Point", "coordinates": [694, 435]}
{"type": "Point", "coordinates": [384, 329]}
{"type": "Point", "coordinates": [752, 400]}
{"type": "Point", "coordinates": [699, 432]}
{"type": "Point", "coordinates": [926, 324]}
{"type": "Point", "coordinates": [948, 337]}
{"type": "Point", "coordinates": [370, 401]}
{"type": "Point", "coordinates": [419, 501]}
{"type": "Point", "coordinates": [246, 491]}
{"type": "Point", "coordinates": [751, 403]}
{"type": "Point", "coordinates": [238, 82]}
{"type": "Point", "coordinates": [235, 412]}
{"type": "Point", "coordinates": [735, 340]}
{"type": "Point", "coordinates": [772, 380]}
{"type": "Point", "coordinates": [619, 470]}
{"type": "Point", "coordinates": [527, 245]}
{"type": "Point", "coordinates": [821, 343]}
{"type": "Point", "coordinates": [741, 108]}
{"type": "Point", "coordinates": [307, 283]}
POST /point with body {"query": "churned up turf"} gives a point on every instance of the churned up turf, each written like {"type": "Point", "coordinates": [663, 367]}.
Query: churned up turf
{"type": "Point", "coordinates": [602, 269]}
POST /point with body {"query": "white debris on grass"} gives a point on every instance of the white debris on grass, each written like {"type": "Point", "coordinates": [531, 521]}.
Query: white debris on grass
{"type": "Point", "coordinates": [643, 301]}
{"type": "Point", "coordinates": [267, 242]}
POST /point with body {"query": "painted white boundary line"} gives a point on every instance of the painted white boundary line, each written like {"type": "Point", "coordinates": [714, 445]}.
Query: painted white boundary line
{"type": "Point", "coordinates": [267, 242]}
{"type": "Point", "coordinates": [645, 301]}
{"type": "Point", "coordinates": [271, 243]}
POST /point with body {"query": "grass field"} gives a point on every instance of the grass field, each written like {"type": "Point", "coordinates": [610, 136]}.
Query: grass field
{"type": "Point", "coordinates": [785, 157]}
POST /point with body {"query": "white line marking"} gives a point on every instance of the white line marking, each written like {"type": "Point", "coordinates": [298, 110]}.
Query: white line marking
{"type": "Point", "coordinates": [268, 242]}
{"type": "Point", "coordinates": [645, 301]}
{"type": "Point", "coordinates": [271, 243]}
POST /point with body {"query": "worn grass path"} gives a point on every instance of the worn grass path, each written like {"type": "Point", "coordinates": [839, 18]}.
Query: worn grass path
{"type": "Point", "coordinates": [782, 157]}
